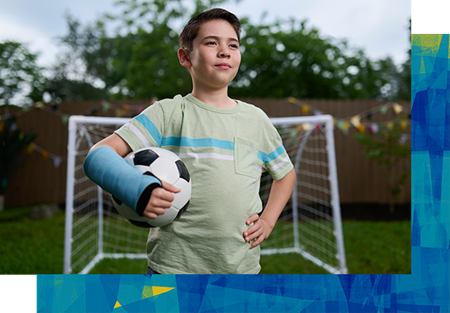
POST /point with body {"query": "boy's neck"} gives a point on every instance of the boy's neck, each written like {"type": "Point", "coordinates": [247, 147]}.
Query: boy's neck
{"type": "Point", "coordinates": [218, 99]}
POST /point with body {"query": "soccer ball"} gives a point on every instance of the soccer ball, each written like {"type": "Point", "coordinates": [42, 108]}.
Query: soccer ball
{"type": "Point", "coordinates": [164, 165]}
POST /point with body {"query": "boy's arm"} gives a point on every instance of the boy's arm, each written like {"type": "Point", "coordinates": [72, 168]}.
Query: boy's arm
{"type": "Point", "coordinates": [263, 225]}
{"type": "Point", "coordinates": [116, 143]}
{"type": "Point", "coordinates": [150, 201]}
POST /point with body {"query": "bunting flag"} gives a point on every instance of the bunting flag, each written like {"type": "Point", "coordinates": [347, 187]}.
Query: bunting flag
{"type": "Point", "coordinates": [373, 128]}
{"type": "Point", "coordinates": [30, 148]}
{"type": "Point", "coordinates": [403, 124]}
{"type": "Point", "coordinates": [384, 109]}
{"type": "Point", "coordinates": [355, 120]}
{"type": "Point", "coordinates": [105, 106]}
{"type": "Point", "coordinates": [305, 109]}
{"type": "Point", "coordinates": [361, 128]}
{"type": "Point", "coordinates": [397, 108]}
{"type": "Point", "coordinates": [57, 160]}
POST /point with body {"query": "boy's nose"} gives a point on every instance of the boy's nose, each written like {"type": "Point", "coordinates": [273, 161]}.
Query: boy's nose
{"type": "Point", "coordinates": [223, 53]}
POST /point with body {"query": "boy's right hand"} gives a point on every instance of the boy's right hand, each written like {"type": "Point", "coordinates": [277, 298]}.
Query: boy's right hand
{"type": "Point", "coordinates": [160, 200]}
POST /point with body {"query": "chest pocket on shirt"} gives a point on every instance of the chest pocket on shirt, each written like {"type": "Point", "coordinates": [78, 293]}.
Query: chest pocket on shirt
{"type": "Point", "coordinates": [246, 158]}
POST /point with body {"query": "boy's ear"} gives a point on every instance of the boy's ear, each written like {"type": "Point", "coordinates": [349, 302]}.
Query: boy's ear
{"type": "Point", "coordinates": [184, 58]}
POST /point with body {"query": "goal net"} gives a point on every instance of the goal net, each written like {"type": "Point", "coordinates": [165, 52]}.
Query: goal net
{"type": "Point", "coordinates": [309, 225]}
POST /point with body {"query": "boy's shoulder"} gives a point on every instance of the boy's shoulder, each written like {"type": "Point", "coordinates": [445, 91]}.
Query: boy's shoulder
{"type": "Point", "coordinates": [253, 110]}
{"type": "Point", "coordinates": [175, 101]}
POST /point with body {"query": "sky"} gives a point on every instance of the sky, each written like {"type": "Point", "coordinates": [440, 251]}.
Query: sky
{"type": "Point", "coordinates": [380, 27]}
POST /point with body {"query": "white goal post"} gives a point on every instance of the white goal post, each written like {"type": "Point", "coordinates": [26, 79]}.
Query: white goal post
{"type": "Point", "coordinates": [310, 224]}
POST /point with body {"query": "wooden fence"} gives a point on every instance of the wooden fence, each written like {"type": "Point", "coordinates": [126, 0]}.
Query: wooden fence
{"type": "Point", "coordinates": [42, 177]}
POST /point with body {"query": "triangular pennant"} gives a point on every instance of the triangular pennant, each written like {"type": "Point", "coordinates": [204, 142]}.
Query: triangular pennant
{"type": "Point", "coordinates": [355, 120]}
{"type": "Point", "coordinates": [403, 124]}
{"type": "Point", "coordinates": [159, 290]}
{"type": "Point", "coordinates": [56, 161]}
{"type": "Point", "coordinates": [118, 305]}
{"type": "Point", "coordinates": [361, 128]}
{"type": "Point", "coordinates": [397, 108]}
{"type": "Point", "coordinates": [305, 109]}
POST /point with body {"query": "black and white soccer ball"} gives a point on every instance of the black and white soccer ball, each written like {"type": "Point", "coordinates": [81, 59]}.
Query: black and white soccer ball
{"type": "Point", "coordinates": [164, 165]}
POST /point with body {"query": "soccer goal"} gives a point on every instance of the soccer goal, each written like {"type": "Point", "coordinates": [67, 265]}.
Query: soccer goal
{"type": "Point", "coordinates": [310, 224]}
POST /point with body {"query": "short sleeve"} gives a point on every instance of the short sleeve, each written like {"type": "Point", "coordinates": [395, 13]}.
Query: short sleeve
{"type": "Point", "coordinates": [275, 159]}
{"type": "Point", "coordinates": [144, 130]}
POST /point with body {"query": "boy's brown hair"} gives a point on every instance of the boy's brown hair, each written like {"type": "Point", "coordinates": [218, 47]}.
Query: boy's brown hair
{"type": "Point", "coordinates": [191, 29]}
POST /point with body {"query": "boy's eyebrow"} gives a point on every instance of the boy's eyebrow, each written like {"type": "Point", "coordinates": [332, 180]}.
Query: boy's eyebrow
{"type": "Point", "coordinates": [217, 38]}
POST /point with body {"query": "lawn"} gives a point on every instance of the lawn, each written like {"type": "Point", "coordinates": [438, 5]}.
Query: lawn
{"type": "Point", "coordinates": [37, 247]}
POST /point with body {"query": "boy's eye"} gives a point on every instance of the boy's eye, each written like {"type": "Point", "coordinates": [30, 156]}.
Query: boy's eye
{"type": "Point", "coordinates": [234, 46]}
{"type": "Point", "coordinates": [211, 43]}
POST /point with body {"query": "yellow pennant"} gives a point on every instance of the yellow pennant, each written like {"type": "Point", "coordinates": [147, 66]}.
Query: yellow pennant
{"type": "Point", "coordinates": [361, 128]}
{"type": "Point", "coordinates": [403, 124]}
{"type": "Point", "coordinates": [355, 120]}
{"type": "Point", "coordinates": [45, 154]}
{"type": "Point", "coordinates": [305, 109]}
{"type": "Point", "coordinates": [397, 108]}
{"type": "Point", "coordinates": [30, 148]}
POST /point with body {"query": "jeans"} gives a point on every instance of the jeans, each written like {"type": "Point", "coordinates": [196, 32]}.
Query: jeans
{"type": "Point", "coordinates": [150, 271]}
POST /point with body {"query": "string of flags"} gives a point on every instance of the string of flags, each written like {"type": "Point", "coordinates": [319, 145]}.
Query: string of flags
{"type": "Point", "coordinates": [121, 110]}
{"type": "Point", "coordinates": [57, 160]}
{"type": "Point", "coordinates": [344, 124]}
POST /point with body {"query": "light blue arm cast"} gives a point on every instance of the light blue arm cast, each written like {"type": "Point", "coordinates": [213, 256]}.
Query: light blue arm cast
{"type": "Point", "coordinates": [113, 174]}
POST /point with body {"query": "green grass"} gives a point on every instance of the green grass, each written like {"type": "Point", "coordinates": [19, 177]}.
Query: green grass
{"type": "Point", "coordinates": [37, 247]}
{"type": "Point", "coordinates": [31, 246]}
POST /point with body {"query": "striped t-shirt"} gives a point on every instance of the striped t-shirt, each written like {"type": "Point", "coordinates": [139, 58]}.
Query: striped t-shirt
{"type": "Point", "coordinates": [225, 151]}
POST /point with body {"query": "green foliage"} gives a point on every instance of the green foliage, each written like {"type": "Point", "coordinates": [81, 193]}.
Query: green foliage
{"type": "Point", "coordinates": [21, 80]}
{"type": "Point", "coordinates": [289, 59]}
{"type": "Point", "coordinates": [280, 59]}
{"type": "Point", "coordinates": [13, 143]}
{"type": "Point", "coordinates": [387, 149]}
{"type": "Point", "coordinates": [385, 146]}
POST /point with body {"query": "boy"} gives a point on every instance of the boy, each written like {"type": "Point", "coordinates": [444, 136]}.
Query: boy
{"type": "Point", "coordinates": [225, 144]}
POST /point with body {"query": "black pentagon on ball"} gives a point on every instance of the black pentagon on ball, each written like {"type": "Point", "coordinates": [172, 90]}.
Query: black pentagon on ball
{"type": "Point", "coordinates": [184, 173]}
{"type": "Point", "coordinates": [145, 157]}
{"type": "Point", "coordinates": [140, 224]}
{"type": "Point", "coordinates": [183, 209]}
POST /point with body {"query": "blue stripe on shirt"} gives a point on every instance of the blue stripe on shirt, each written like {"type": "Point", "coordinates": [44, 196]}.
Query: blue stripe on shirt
{"type": "Point", "coordinates": [148, 124]}
{"type": "Point", "coordinates": [196, 143]}
{"type": "Point", "coordinates": [266, 158]}
{"type": "Point", "coordinates": [181, 141]}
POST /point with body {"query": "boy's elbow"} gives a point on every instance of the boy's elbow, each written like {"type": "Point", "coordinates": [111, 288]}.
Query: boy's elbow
{"type": "Point", "coordinates": [292, 176]}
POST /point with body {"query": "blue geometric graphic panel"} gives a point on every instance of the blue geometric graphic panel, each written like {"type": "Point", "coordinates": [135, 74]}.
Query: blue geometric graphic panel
{"type": "Point", "coordinates": [426, 289]}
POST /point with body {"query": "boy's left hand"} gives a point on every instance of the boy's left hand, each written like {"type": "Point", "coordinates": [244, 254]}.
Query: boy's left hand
{"type": "Point", "coordinates": [260, 230]}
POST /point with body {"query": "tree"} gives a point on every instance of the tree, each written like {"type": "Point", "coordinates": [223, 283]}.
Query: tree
{"type": "Point", "coordinates": [280, 59]}
{"type": "Point", "coordinates": [21, 79]}
{"type": "Point", "coordinates": [288, 59]}
{"type": "Point", "coordinates": [138, 61]}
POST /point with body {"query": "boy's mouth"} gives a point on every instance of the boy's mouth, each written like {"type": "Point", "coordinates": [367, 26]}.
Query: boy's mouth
{"type": "Point", "coordinates": [223, 65]}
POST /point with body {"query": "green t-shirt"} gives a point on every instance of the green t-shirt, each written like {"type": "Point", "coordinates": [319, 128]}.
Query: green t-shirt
{"type": "Point", "coordinates": [225, 151]}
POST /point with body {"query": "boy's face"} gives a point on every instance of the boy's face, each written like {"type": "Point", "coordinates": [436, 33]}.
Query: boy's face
{"type": "Point", "coordinates": [214, 59]}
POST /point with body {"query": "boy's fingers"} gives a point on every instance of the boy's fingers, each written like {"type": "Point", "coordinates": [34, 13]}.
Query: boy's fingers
{"type": "Point", "coordinates": [253, 234]}
{"type": "Point", "coordinates": [256, 242]}
{"type": "Point", "coordinates": [252, 219]}
{"type": "Point", "coordinates": [170, 187]}
{"type": "Point", "coordinates": [163, 194]}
